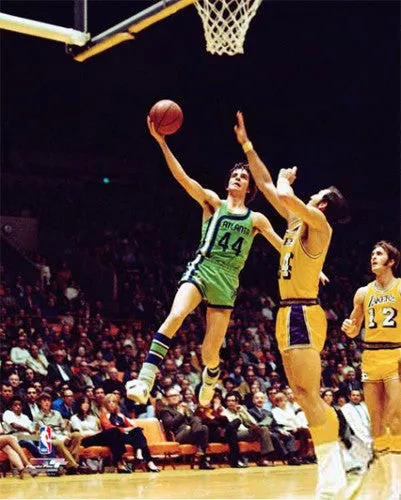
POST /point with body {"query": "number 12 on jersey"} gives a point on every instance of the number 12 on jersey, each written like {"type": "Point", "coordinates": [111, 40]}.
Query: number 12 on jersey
{"type": "Point", "coordinates": [389, 314]}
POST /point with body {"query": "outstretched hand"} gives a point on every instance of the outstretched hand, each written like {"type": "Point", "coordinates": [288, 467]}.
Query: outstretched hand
{"type": "Point", "coordinates": [288, 173]}
{"type": "Point", "coordinates": [151, 126]}
{"type": "Point", "coordinates": [240, 129]}
{"type": "Point", "coordinates": [323, 278]}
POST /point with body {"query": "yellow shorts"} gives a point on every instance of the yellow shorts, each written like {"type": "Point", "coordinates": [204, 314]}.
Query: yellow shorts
{"type": "Point", "coordinates": [380, 365]}
{"type": "Point", "coordinates": [299, 326]}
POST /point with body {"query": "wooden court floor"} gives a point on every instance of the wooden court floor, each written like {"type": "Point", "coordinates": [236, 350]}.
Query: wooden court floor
{"type": "Point", "coordinates": [278, 482]}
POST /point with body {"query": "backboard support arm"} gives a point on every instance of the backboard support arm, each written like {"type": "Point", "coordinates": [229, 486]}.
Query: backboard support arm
{"type": "Point", "coordinates": [81, 15]}
{"type": "Point", "coordinates": [79, 36]}
{"type": "Point", "coordinates": [126, 30]}
{"type": "Point", "coordinates": [43, 30]}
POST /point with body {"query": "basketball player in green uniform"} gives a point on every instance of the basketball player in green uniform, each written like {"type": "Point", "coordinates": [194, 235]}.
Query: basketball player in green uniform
{"type": "Point", "coordinates": [301, 323]}
{"type": "Point", "coordinates": [228, 230]}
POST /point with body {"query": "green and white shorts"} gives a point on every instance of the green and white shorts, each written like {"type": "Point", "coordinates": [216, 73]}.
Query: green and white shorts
{"type": "Point", "coordinates": [217, 284]}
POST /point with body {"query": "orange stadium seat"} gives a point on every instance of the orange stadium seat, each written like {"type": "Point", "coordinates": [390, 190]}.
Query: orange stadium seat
{"type": "Point", "coordinates": [157, 441]}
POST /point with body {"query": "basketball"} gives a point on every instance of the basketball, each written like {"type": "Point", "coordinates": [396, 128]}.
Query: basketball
{"type": "Point", "coordinates": [166, 116]}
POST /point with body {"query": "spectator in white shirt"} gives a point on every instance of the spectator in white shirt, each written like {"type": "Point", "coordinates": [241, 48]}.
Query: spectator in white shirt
{"type": "Point", "coordinates": [37, 361]}
{"type": "Point", "coordinates": [357, 416]}
{"type": "Point", "coordinates": [21, 427]}
{"type": "Point", "coordinates": [286, 418]}
{"type": "Point", "coordinates": [301, 417]}
{"type": "Point", "coordinates": [14, 421]}
{"type": "Point", "coordinates": [20, 353]}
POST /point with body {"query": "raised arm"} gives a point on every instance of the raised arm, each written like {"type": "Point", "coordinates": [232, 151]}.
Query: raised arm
{"type": "Point", "coordinates": [259, 171]}
{"type": "Point", "coordinates": [193, 188]}
{"type": "Point", "coordinates": [263, 226]}
{"type": "Point", "coordinates": [352, 325]}
{"type": "Point", "coordinates": [311, 216]}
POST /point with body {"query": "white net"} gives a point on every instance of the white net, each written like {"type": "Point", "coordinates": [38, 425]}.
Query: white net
{"type": "Point", "coordinates": [225, 23]}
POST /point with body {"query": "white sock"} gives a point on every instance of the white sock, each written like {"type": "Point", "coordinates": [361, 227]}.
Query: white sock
{"type": "Point", "coordinates": [147, 374]}
{"type": "Point", "coordinates": [394, 467]}
{"type": "Point", "coordinates": [331, 472]}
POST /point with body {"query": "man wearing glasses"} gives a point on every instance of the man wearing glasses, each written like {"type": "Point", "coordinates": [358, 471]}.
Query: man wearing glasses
{"type": "Point", "coordinates": [178, 420]}
{"type": "Point", "coordinates": [269, 403]}
{"type": "Point", "coordinates": [247, 427]}
{"type": "Point", "coordinates": [66, 405]}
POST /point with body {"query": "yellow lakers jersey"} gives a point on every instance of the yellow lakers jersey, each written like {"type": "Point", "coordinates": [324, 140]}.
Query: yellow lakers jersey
{"type": "Point", "coordinates": [382, 309]}
{"type": "Point", "coordinates": [299, 270]}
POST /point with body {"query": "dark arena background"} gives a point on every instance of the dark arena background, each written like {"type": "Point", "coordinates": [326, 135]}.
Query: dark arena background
{"type": "Point", "coordinates": [95, 232]}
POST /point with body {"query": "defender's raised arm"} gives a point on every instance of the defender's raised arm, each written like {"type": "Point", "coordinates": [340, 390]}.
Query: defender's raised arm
{"type": "Point", "coordinates": [258, 169]}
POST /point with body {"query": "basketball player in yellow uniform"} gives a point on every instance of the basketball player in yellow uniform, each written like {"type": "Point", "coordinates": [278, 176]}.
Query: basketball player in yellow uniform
{"type": "Point", "coordinates": [378, 305]}
{"type": "Point", "coordinates": [301, 322]}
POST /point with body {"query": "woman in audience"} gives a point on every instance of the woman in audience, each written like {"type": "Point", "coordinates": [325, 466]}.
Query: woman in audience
{"type": "Point", "coordinates": [15, 454]}
{"type": "Point", "coordinates": [111, 417]}
{"type": "Point", "coordinates": [89, 426]}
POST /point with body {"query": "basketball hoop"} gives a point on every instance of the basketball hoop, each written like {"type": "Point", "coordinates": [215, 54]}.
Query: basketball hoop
{"type": "Point", "coordinates": [225, 23]}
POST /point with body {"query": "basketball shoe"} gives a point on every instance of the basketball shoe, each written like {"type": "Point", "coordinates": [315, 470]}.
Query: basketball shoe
{"type": "Point", "coordinates": [138, 391]}
{"type": "Point", "coordinates": [206, 392]}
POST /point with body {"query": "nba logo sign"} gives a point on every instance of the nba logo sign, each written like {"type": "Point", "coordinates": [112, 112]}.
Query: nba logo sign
{"type": "Point", "coordinates": [45, 440]}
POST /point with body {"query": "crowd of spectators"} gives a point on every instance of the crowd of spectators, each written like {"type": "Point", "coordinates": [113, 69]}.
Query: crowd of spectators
{"type": "Point", "coordinates": [82, 329]}
{"type": "Point", "coordinates": [61, 351]}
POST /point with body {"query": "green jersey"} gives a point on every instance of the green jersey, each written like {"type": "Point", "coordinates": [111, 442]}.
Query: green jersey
{"type": "Point", "coordinates": [227, 238]}
{"type": "Point", "coordinates": [226, 241]}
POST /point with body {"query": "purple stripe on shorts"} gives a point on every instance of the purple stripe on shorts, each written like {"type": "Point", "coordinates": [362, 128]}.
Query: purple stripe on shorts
{"type": "Point", "coordinates": [298, 330]}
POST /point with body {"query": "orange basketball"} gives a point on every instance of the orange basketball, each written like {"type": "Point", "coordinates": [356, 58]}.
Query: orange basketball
{"type": "Point", "coordinates": [166, 116]}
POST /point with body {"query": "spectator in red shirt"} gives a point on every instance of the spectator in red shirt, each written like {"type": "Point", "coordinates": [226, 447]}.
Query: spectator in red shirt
{"type": "Point", "coordinates": [111, 417]}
